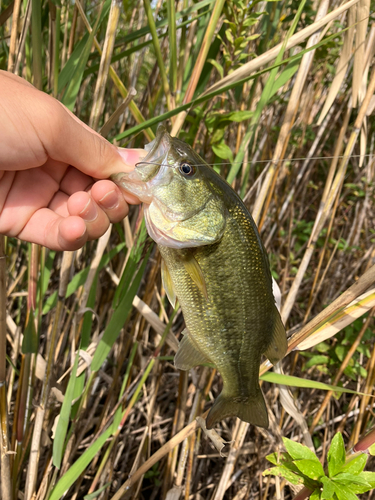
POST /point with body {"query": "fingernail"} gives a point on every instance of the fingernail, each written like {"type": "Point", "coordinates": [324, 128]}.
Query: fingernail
{"type": "Point", "coordinates": [110, 200]}
{"type": "Point", "coordinates": [90, 212]}
{"type": "Point", "coordinates": [124, 154]}
{"type": "Point", "coordinates": [82, 235]}
{"type": "Point", "coordinates": [131, 156]}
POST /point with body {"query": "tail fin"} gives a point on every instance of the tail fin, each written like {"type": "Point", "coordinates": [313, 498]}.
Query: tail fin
{"type": "Point", "coordinates": [250, 409]}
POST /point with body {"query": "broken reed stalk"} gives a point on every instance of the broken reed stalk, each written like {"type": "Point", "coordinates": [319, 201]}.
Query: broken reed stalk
{"type": "Point", "coordinates": [239, 435]}
{"type": "Point", "coordinates": [176, 440]}
{"type": "Point", "coordinates": [105, 62]}
{"type": "Point", "coordinates": [13, 35]}
{"type": "Point", "coordinates": [116, 80]}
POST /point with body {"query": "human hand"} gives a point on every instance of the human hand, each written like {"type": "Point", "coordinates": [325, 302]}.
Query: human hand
{"type": "Point", "coordinates": [48, 162]}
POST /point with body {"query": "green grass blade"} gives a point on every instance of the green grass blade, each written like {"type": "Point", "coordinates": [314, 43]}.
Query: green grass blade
{"type": "Point", "coordinates": [63, 423]}
{"type": "Point", "coordinates": [70, 67]}
{"type": "Point", "coordinates": [277, 378]}
{"type": "Point", "coordinates": [172, 45]}
{"type": "Point", "coordinates": [158, 54]}
{"type": "Point", "coordinates": [96, 493]}
{"type": "Point", "coordinates": [131, 265]}
{"type": "Point", "coordinates": [117, 320]}
{"type": "Point", "coordinates": [84, 460]}
{"type": "Point", "coordinates": [74, 84]}
{"type": "Point", "coordinates": [79, 466]}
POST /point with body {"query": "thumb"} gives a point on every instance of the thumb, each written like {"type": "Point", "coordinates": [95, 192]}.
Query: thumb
{"type": "Point", "coordinates": [78, 145]}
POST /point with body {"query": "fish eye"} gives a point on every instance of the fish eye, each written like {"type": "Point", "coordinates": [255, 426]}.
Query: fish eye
{"type": "Point", "coordinates": [186, 169]}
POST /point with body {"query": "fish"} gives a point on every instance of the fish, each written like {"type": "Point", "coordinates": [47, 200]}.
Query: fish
{"type": "Point", "coordinates": [214, 263]}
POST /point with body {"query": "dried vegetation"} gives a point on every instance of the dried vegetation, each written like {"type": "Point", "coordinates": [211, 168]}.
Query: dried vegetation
{"type": "Point", "coordinates": [278, 97]}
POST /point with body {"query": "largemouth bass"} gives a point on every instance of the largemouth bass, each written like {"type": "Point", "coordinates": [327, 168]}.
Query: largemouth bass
{"type": "Point", "coordinates": [215, 264]}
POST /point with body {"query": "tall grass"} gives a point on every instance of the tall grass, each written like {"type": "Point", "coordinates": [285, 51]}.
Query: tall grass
{"type": "Point", "coordinates": [277, 97]}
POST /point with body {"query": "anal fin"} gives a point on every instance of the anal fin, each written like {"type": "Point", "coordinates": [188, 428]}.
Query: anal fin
{"type": "Point", "coordinates": [167, 283]}
{"type": "Point", "coordinates": [278, 347]}
{"type": "Point", "coordinates": [188, 355]}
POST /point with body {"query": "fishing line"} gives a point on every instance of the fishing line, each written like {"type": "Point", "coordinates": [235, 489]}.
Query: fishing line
{"type": "Point", "coordinates": [258, 161]}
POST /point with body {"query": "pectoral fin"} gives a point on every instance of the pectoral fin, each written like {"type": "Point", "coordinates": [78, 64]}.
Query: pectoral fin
{"type": "Point", "coordinates": [188, 355]}
{"type": "Point", "coordinates": [195, 272]}
{"type": "Point", "coordinates": [277, 349]}
{"type": "Point", "coordinates": [167, 283]}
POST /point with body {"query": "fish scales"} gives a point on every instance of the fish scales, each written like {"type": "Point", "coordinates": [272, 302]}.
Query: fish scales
{"type": "Point", "coordinates": [224, 288]}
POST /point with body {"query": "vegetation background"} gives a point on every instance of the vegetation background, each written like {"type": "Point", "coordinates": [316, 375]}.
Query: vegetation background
{"type": "Point", "coordinates": [277, 96]}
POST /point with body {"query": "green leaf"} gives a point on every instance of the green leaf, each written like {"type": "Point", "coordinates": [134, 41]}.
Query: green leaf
{"type": "Point", "coordinates": [218, 66]}
{"type": "Point", "coordinates": [239, 116]}
{"type": "Point", "coordinates": [372, 449]}
{"type": "Point", "coordinates": [299, 451]}
{"type": "Point", "coordinates": [328, 488]}
{"type": "Point", "coordinates": [131, 266]}
{"type": "Point", "coordinates": [30, 336]}
{"type": "Point", "coordinates": [68, 70]}
{"type": "Point", "coordinates": [79, 466]}
{"type": "Point", "coordinates": [277, 378]}
{"type": "Point", "coordinates": [369, 477]}
{"type": "Point", "coordinates": [315, 495]}
{"type": "Point", "coordinates": [319, 359]}
{"type": "Point", "coordinates": [344, 493]}
{"type": "Point", "coordinates": [284, 472]}
{"type": "Point", "coordinates": [336, 455]}
{"type": "Point", "coordinates": [229, 36]}
{"type": "Point", "coordinates": [310, 468]}
{"type": "Point", "coordinates": [80, 278]}
{"type": "Point", "coordinates": [273, 458]}
{"type": "Point", "coordinates": [223, 151]}
{"type": "Point", "coordinates": [355, 465]}
{"type": "Point", "coordinates": [96, 493]}
{"type": "Point", "coordinates": [284, 77]}
{"type": "Point", "coordinates": [63, 423]}
{"type": "Point", "coordinates": [348, 479]}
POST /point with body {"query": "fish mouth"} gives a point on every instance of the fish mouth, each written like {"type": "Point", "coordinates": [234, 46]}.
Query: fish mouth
{"type": "Point", "coordinates": [145, 175]}
{"type": "Point", "coordinates": [162, 141]}
{"type": "Point", "coordinates": [155, 170]}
